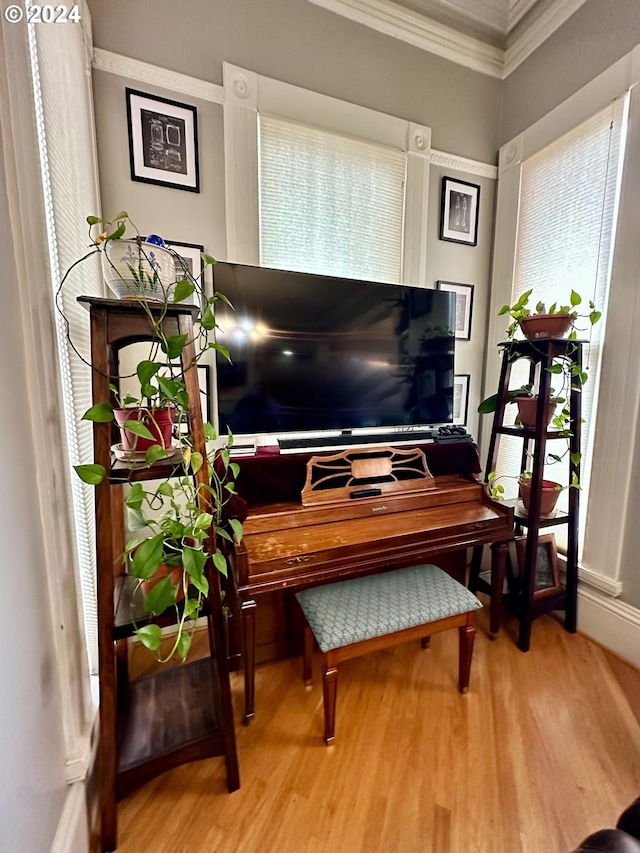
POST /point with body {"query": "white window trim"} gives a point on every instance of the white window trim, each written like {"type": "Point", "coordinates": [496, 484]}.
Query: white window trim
{"type": "Point", "coordinates": [247, 94]}
{"type": "Point", "coordinates": [608, 508]}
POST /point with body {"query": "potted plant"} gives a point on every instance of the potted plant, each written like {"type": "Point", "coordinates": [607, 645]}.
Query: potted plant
{"type": "Point", "coordinates": [550, 490]}
{"type": "Point", "coordinates": [554, 322]}
{"type": "Point", "coordinates": [527, 403]}
{"type": "Point", "coordinates": [169, 519]}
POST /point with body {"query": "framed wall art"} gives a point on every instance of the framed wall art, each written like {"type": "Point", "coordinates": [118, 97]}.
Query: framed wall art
{"type": "Point", "coordinates": [163, 141]}
{"type": "Point", "coordinates": [464, 306]}
{"type": "Point", "coordinates": [547, 579]}
{"type": "Point", "coordinates": [459, 211]}
{"type": "Point", "coordinates": [460, 398]}
{"type": "Point", "coordinates": [189, 255]}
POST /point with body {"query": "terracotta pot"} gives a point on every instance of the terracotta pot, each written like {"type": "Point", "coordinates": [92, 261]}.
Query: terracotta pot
{"type": "Point", "coordinates": [159, 422]}
{"type": "Point", "coordinates": [161, 572]}
{"type": "Point", "coordinates": [527, 408]}
{"type": "Point", "coordinates": [550, 494]}
{"type": "Point", "coordinates": [545, 326]}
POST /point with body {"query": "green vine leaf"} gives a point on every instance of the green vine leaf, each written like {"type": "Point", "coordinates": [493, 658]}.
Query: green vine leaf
{"type": "Point", "coordinates": [147, 557]}
{"type": "Point", "coordinates": [173, 345]}
{"type": "Point", "coordinates": [149, 636]}
{"type": "Point", "coordinates": [91, 474]}
{"type": "Point", "coordinates": [220, 563]}
{"type": "Point", "coordinates": [101, 413]}
{"type": "Point", "coordinates": [184, 289]}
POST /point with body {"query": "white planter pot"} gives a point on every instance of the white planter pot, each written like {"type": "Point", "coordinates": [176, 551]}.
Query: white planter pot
{"type": "Point", "coordinates": [138, 270]}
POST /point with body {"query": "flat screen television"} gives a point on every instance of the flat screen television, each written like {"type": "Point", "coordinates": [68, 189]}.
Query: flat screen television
{"type": "Point", "coordinates": [311, 353]}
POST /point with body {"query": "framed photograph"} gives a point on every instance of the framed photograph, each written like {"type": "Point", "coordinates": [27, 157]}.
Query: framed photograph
{"type": "Point", "coordinates": [460, 398]}
{"type": "Point", "coordinates": [459, 211]}
{"type": "Point", "coordinates": [464, 306]}
{"type": "Point", "coordinates": [189, 256]}
{"type": "Point", "coordinates": [163, 141]}
{"type": "Point", "coordinates": [547, 577]}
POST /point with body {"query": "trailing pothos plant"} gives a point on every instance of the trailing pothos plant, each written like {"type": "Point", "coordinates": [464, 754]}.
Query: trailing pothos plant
{"type": "Point", "coordinates": [520, 310]}
{"type": "Point", "coordinates": [570, 376]}
{"type": "Point", "coordinates": [169, 520]}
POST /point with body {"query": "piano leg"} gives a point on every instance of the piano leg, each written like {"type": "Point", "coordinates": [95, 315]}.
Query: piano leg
{"type": "Point", "coordinates": [248, 613]}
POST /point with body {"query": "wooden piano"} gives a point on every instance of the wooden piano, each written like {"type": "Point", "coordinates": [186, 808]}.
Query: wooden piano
{"type": "Point", "coordinates": [289, 545]}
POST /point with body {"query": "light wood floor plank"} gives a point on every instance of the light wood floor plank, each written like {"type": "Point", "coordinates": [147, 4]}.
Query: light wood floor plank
{"type": "Point", "coordinates": [544, 749]}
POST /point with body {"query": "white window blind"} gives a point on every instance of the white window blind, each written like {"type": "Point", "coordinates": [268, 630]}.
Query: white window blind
{"type": "Point", "coordinates": [329, 203]}
{"type": "Point", "coordinates": [566, 223]}
{"type": "Point", "coordinates": [66, 136]}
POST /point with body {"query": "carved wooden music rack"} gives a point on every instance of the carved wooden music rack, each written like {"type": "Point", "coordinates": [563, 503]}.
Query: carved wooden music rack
{"type": "Point", "coordinates": [354, 474]}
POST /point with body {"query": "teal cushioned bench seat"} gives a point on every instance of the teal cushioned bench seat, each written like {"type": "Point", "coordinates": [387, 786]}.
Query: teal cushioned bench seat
{"type": "Point", "coordinates": [353, 617]}
{"type": "Point", "coordinates": [358, 609]}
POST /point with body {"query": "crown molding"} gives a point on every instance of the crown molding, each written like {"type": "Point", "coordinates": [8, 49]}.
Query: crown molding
{"type": "Point", "coordinates": [538, 32]}
{"type": "Point", "coordinates": [463, 164]}
{"type": "Point", "coordinates": [517, 10]}
{"type": "Point", "coordinates": [390, 19]}
{"type": "Point", "coordinates": [491, 14]}
{"type": "Point", "coordinates": [143, 72]}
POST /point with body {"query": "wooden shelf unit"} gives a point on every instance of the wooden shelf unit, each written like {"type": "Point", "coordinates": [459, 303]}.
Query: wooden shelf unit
{"type": "Point", "coordinates": [184, 712]}
{"type": "Point", "coordinates": [541, 355]}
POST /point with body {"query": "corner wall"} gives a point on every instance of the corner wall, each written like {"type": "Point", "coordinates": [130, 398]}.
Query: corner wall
{"type": "Point", "coordinates": [589, 42]}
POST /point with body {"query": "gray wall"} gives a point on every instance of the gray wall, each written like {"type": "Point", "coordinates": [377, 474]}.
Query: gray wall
{"type": "Point", "coordinates": [297, 42]}
{"type": "Point", "coordinates": [32, 753]}
{"type": "Point", "coordinates": [594, 37]}
{"type": "Point", "coordinates": [300, 44]}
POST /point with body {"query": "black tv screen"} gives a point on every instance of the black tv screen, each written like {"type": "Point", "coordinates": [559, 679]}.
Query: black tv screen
{"type": "Point", "coordinates": [312, 352]}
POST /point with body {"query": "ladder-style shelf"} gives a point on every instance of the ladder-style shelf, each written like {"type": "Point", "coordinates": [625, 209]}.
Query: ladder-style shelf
{"type": "Point", "coordinates": [147, 725]}
{"type": "Point", "coordinates": [521, 599]}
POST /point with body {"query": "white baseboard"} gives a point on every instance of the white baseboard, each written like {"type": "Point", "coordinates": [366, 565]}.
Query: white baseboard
{"type": "Point", "coordinates": [610, 623]}
{"type": "Point", "coordinates": [73, 831]}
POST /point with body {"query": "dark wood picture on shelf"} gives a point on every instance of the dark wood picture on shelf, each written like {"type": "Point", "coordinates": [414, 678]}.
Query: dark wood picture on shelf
{"type": "Point", "coordinates": [547, 577]}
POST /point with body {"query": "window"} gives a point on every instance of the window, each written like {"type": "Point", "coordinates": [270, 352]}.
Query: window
{"type": "Point", "coordinates": [320, 185]}
{"type": "Point", "coordinates": [565, 231]}
{"type": "Point", "coordinates": [329, 203]}
{"type": "Point", "coordinates": [63, 106]}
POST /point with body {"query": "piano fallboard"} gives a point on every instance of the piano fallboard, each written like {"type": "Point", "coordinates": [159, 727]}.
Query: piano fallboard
{"type": "Point", "coordinates": [287, 545]}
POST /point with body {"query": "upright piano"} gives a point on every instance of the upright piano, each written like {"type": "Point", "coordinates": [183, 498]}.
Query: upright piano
{"type": "Point", "coordinates": [287, 545]}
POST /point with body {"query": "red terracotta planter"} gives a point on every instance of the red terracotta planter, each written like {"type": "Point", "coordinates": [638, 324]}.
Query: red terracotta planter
{"type": "Point", "coordinates": [550, 494]}
{"type": "Point", "coordinates": [161, 572]}
{"type": "Point", "coordinates": [539, 326]}
{"type": "Point", "coordinates": [527, 408]}
{"type": "Point", "coordinates": [159, 422]}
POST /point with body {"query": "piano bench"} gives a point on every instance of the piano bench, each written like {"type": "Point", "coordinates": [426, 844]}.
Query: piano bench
{"type": "Point", "coordinates": [366, 614]}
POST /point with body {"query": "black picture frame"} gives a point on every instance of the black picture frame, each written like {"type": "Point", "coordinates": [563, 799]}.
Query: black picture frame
{"type": "Point", "coordinates": [461, 382]}
{"type": "Point", "coordinates": [190, 254]}
{"type": "Point", "coordinates": [204, 380]}
{"type": "Point", "coordinates": [547, 572]}
{"type": "Point", "coordinates": [464, 306]}
{"type": "Point", "coordinates": [459, 206]}
{"type": "Point", "coordinates": [163, 141]}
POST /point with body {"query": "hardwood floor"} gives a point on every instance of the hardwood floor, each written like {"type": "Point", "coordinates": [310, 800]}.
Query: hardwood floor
{"type": "Point", "coordinates": [544, 749]}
